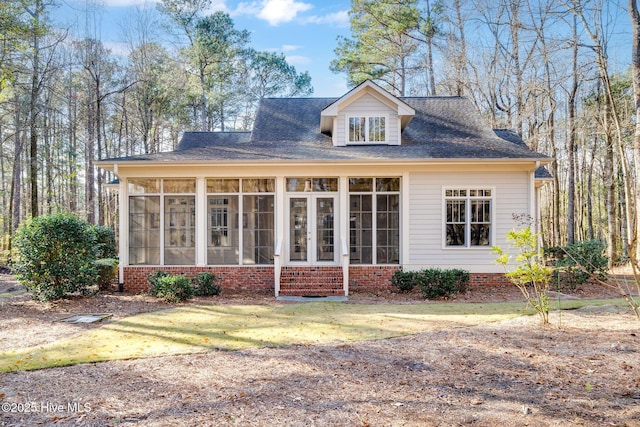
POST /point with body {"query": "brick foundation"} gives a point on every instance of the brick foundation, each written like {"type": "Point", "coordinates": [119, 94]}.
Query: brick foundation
{"type": "Point", "coordinates": [371, 277]}
{"type": "Point", "coordinates": [362, 278]}
{"type": "Point", "coordinates": [237, 278]}
{"type": "Point", "coordinates": [488, 279]}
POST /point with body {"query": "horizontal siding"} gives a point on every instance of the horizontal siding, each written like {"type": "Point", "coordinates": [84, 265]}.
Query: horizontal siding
{"type": "Point", "coordinates": [367, 105]}
{"type": "Point", "coordinates": [426, 223]}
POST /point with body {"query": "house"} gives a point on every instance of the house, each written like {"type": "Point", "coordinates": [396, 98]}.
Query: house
{"type": "Point", "coordinates": [327, 196]}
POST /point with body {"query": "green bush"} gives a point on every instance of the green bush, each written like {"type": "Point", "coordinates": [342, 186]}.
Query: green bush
{"type": "Point", "coordinates": [204, 284]}
{"type": "Point", "coordinates": [171, 288]}
{"type": "Point", "coordinates": [405, 281]}
{"type": "Point", "coordinates": [436, 283]}
{"type": "Point", "coordinates": [54, 256]}
{"type": "Point", "coordinates": [107, 272]}
{"type": "Point", "coordinates": [577, 262]}
{"type": "Point", "coordinates": [433, 282]}
{"type": "Point", "coordinates": [107, 253]}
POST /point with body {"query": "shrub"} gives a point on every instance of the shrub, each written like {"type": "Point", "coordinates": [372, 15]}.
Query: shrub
{"type": "Point", "coordinates": [170, 287]}
{"type": "Point", "coordinates": [107, 272]}
{"type": "Point", "coordinates": [54, 256]}
{"type": "Point", "coordinates": [405, 281]}
{"type": "Point", "coordinates": [579, 261]}
{"type": "Point", "coordinates": [531, 272]}
{"type": "Point", "coordinates": [436, 283]}
{"type": "Point", "coordinates": [204, 284]}
{"type": "Point", "coordinates": [433, 282]}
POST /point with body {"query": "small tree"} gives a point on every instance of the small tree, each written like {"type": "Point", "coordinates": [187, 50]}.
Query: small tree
{"type": "Point", "coordinates": [531, 273]}
{"type": "Point", "coordinates": [55, 255]}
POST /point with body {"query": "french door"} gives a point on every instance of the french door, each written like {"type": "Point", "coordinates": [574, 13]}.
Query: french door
{"type": "Point", "coordinates": [312, 229]}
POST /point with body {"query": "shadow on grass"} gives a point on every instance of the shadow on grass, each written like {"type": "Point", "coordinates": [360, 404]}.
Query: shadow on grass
{"type": "Point", "coordinates": [192, 329]}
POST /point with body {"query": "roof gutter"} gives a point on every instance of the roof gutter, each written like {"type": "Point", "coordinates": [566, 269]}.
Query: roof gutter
{"type": "Point", "coordinates": [113, 166]}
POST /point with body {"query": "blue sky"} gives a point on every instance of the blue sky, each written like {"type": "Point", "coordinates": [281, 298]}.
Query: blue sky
{"type": "Point", "coordinates": [304, 30]}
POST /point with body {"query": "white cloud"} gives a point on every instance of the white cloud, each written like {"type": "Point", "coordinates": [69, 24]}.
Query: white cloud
{"type": "Point", "coordinates": [276, 12]}
{"type": "Point", "coordinates": [290, 47]}
{"type": "Point", "coordinates": [339, 19]}
{"type": "Point", "coordinates": [126, 3]}
{"type": "Point", "coordinates": [296, 60]}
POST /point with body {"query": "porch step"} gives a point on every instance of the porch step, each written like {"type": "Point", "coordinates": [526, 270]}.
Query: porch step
{"type": "Point", "coordinates": [311, 281]}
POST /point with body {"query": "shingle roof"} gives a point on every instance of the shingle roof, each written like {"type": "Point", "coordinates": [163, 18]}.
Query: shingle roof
{"type": "Point", "coordinates": [287, 129]}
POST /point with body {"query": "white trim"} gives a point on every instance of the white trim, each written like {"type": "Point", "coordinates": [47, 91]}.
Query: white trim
{"type": "Point", "coordinates": [201, 221]}
{"type": "Point", "coordinates": [467, 230]}
{"type": "Point", "coordinates": [367, 117]}
{"type": "Point", "coordinates": [123, 214]}
{"type": "Point", "coordinates": [405, 231]}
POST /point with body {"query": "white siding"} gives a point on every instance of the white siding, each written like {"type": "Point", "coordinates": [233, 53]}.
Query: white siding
{"type": "Point", "coordinates": [426, 223]}
{"type": "Point", "coordinates": [370, 106]}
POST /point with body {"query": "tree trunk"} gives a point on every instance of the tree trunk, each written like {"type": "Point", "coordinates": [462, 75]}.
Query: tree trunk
{"type": "Point", "coordinates": [635, 75]}
{"type": "Point", "coordinates": [571, 145]}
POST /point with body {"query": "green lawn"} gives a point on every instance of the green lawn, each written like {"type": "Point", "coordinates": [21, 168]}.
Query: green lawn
{"type": "Point", "coordinates": [192, 329]}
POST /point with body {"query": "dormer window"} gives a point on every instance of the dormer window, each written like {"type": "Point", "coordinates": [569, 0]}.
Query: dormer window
{"type": "Point", "coordinates": [367, 129]}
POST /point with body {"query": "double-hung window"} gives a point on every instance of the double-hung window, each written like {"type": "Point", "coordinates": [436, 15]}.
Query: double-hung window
{"type": "Point", "coordinates": [468, 217]}
{"type": "Point", "coordinates": [367, 129]}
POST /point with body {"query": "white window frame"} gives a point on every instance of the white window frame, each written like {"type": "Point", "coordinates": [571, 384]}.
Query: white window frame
{"type": "Point", "coordinates": [374, 212]}
{"type": "Point", "coordinates": [467, 222]}
{"type": "Point", "coordinates": [367, 118]}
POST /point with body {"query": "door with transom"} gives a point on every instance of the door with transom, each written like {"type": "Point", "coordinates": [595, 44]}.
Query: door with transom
{"type": "Point", "coordinates": [312, 229]}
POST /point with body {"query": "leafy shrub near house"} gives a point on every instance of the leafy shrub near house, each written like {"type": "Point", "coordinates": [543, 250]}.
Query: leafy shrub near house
{"type": "Point", "coordinates": [433, 282]}
{"type": "Point", "coordinates": [204, 284]}
{"type": "Point", "coordinates": [107, 253]}
{"type": "Point", "coordinates": [170, 287]}
{"type": "Point", "coordinates": [436, 283]}
{"type": "Point", "coordinates": [405, 281]}
{"type": "Point", "coordinates": [178, 288]}
{"type": "Point", "coordinates": [54, 256]}
{"type": "Point", "coordinates": [576, 263]}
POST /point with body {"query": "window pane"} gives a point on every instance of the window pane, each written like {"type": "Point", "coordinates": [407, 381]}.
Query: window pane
{"type": "Point", "coordinates": [387, 184]}
{"type": "Point", "coordinates": [456, 211]}
{"type": "Point", "coordinates": [222, 230]}
{"type": "Point", "coordinates": [312, 184]}
{"type": "Point", "coordinates": [179, 226]}
{"type": "Point", "coordinates": [480, 234]}
{"type": "Point", "coordinates": [325, 184]}
{"type": "Point", "coordinates": [258, 229]}
{"type": "Point", "coordinates": [361, 184]}
{"type": "Point", "coordinates": [388, 230]}
{"type": "Point", "coordinates": [258, 185]}
{"type": "Point", "coordinates": [455, 234]}
{"type": "Point", "coordinates": [356, 129]}
{"type": "Point", "coordinates": [220, 185]}
{"type": "Point", "coordinates": [144, 230]}
{"type": "Point", "coordinates": [142, 185]}
{"type": "Point", "coordinates": [376, 129]}
{"type": "Point", "coordinates": [179, 185]}
{"type": "Point", "coordinates": [360, 231]}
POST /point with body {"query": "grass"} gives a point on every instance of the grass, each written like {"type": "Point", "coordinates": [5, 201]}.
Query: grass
{"type": "Point", "coordinates": [193, 329]}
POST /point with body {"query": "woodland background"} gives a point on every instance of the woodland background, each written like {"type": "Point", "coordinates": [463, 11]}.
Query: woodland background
{"type": "Point", "coordinates": [542, 68]}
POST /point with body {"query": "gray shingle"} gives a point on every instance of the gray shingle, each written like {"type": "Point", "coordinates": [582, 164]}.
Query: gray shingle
{"type": "Point", "coordinates": [288, 129]}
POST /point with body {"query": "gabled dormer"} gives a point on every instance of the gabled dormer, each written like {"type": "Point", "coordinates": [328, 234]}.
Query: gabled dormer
{"type": "Point", "coordinates": [366, 115]}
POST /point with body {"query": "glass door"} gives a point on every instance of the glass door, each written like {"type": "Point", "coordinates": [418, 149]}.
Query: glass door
{"type": "Point", "coordinates": [312, 229]}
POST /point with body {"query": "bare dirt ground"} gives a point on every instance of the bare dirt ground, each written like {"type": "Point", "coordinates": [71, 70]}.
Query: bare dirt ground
{"type": "Point", "coordinates": [513, 373]}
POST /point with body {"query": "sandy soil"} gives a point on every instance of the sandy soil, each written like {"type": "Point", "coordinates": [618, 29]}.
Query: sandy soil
{"type": "Point", "coordinates": [585, 372]}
